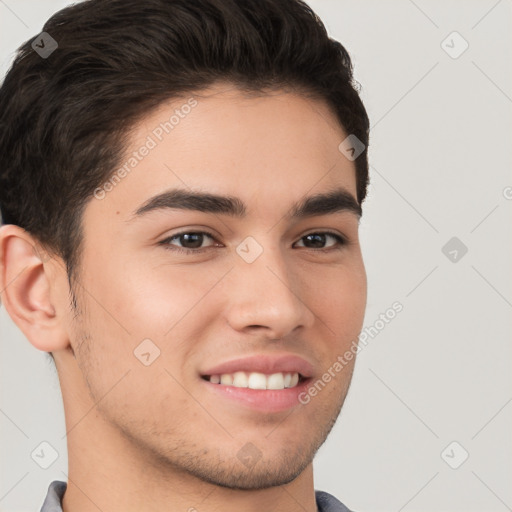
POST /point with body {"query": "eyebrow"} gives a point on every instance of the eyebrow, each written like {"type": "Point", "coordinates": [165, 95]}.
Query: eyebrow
{"type": "Point", "coordinates": [334, 201]}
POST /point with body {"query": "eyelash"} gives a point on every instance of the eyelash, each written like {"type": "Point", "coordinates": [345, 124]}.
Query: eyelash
{"type": "Point", "coordinates": [166, 245]}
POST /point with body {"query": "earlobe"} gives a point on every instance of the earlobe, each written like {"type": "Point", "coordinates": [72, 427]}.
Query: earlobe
{"type": "Point", "coordinates": [25, 286]}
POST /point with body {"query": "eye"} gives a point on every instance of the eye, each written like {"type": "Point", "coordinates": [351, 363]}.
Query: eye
{"type": "Point", "coordinates": [318, 240]}
{"type": "Point", "coordinates": [191, 241]}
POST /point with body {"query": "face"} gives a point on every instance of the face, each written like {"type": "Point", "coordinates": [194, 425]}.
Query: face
{"type": "Point", "coordinates": [193, 301]}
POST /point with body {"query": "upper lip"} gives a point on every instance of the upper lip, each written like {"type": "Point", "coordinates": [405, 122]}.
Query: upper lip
{"type": "Point", "coordinates": [264, 363]}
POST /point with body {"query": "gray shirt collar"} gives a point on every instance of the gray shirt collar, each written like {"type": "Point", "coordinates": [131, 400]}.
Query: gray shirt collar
{"type": "Point", "coordinates": [53, 502]}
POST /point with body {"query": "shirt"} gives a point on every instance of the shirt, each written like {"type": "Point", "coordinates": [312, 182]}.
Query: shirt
{"type": "Point", "coordinates": [53, 502]}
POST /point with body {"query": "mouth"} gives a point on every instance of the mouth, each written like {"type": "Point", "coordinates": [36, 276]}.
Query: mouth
{"type": "Point", "coordinates": [265, 383]}
{"type": "Point", "coordinates": [257, 380]}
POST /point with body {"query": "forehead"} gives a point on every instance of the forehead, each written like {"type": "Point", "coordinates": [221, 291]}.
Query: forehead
{"type": "Point", "coordinates": [263, 148]}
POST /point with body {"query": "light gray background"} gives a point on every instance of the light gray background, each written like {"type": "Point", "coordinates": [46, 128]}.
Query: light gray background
{"type": "Point", "coordinates": [440, 371]}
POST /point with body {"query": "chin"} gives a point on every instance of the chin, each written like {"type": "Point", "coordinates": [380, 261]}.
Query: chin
{"type": "Point", "coordinates": [262, 476]}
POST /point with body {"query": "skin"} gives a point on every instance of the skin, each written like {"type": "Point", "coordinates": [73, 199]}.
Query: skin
{"type": "Point", "coordinates": [144, 438]}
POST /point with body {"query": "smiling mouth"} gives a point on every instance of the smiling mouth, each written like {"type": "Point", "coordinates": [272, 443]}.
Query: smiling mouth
{"type": "Point", "coordinates": [256, 380]}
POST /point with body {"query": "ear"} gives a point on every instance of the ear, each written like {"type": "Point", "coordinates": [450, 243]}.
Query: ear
{"type": "Point", "coordinates": [25, 286]}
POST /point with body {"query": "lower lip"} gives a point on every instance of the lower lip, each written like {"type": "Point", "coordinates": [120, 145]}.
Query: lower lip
{"type": "Point", "coordinates": [263, 400]}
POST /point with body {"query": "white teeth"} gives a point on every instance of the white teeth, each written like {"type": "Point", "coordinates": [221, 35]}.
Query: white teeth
{"type": "Point", "coordinates": [240, 380]}
{"type": "Point", "coordinates": [256, 380]}
{"type": "Point", "coordinates": [275, 381]}
{"type": "Point", "coordinates": [225, 379]}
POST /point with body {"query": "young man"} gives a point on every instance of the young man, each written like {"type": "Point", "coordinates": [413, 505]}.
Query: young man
{"type": "Point", "coordinates": [181, 185]}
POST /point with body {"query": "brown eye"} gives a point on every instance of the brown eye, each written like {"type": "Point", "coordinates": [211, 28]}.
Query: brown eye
{"type": "Point", "coordinates": [318, 240]}
{"type": "Point", "coordinates": [189, 241]}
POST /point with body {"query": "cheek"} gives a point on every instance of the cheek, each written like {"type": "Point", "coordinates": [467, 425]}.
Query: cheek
{"type": "Point", "coordinates": [340, 300]}
{"type": "Point", "coordinates": [150, 300]}
{"type": "Point", "coordinates": [352, 297]}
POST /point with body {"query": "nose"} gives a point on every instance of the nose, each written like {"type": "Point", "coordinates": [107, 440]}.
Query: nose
{"type": "Point", "coordinates": [267, 297]}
